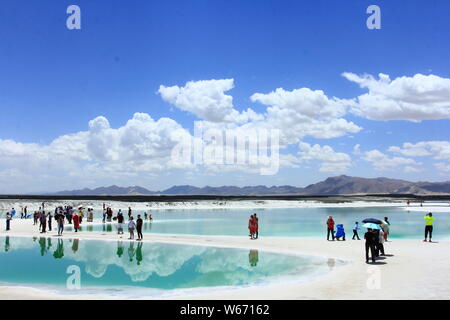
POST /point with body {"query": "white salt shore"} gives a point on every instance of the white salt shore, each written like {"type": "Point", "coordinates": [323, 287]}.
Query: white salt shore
{"type": "Point", "coordinates": [413, 269]}
{"type": "Point", "coordinates": [33, 205]}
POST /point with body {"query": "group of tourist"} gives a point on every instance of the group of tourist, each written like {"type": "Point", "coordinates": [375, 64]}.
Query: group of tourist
{"type": "Point", "coordinates": [132, 225]}
{"type": "Point", "coordinates": [374, 238]}
{"type": "Point", "coordinates": [61, 215]}
{"type": "Point", "coordinates": [340, 231]}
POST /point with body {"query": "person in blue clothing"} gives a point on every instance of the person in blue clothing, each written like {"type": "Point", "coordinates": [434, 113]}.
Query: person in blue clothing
{"type": "Point", "coordinates": [355, 231]}
{"type": "Point", "coordinates": [13, 212]}
{"type": "Point", "coordinates": [340, 232]}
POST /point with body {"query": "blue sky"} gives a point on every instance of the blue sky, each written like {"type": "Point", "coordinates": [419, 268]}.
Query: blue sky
{"type": "Point", "coordinates": [53, 81]}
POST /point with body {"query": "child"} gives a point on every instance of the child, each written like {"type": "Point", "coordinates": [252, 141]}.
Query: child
{"type": "Point", "coordinates": [355, 231]}
{"type": "Point", "coordinates": [340, 233]}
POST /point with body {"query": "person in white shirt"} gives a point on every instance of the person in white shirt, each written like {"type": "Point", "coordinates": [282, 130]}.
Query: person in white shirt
{"type": "Point", "coordinates": [131, 227]}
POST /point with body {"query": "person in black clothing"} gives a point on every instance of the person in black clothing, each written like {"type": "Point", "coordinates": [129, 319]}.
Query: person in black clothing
{"type": "Point", "coordinates": [43, 220]}
{"type": "Point", "coordinates": [120, 221]}
{"type": "Point", "coordinates": [370, 244]}
{"type": "Point", "coordinates": [50, 221]}
{"type": "Point", "coordinates": [129, 212]}
{"type": "Point", "coordinates": [139, 227]}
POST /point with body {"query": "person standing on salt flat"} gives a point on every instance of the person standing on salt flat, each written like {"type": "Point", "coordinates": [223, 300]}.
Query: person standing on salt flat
{"type": "Point", "coordinates": [8, 221]}
{"type": "Point", "coordinates": [330, 228]}
{"type": "Point", "coordinates": [251, 227]}
{"type": "Point", "coordinates": [139, 223]}
{"type": "Point", "coordinates": [59, 217]}
{"type": "Point", "coordinates": [76, 222]}
{"type": "Point", "coordinates": [43, 220]}
{"type": "Point", "coordinates": [429, 219]}
{"type": "Point", "coordinates": [120, 220]}
{"type": "Point", "coordinates": [370, 244]}
{"type": "Point", "coordinates": [50, 221]}
{"type": "Point", "coordinates": [385, 226]}
{"type": "Point", "coordinates": [131, 227]}
{"type": "Point", "coordinates": [256, 225]}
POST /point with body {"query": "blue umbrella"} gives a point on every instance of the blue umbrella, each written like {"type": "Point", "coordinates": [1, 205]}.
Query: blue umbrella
{"type": "Point", "coordinates": [371, 226]}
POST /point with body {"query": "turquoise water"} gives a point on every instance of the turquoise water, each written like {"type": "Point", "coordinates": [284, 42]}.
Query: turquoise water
{"type": "Point", "coordinates": [301, 222]}
{"type": "Point", "coordinates": [119, 265]}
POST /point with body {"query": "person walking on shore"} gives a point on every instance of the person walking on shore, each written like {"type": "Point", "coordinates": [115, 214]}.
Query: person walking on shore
{"type": "Point", "coordinates": [131, 227]}
{"type": "Point", "coordinates": [139, 223]}
{"type": "Point", "coordinates": [330, 228]}
{"type": "Point", "coordinates": [355, 231]}
{"type": "Point", "coordinates": [370, 244]}
{"type": "Point", "coordinates": [429, 219]}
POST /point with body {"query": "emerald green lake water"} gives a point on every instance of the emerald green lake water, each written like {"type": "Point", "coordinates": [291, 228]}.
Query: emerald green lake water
{"type": "Point", "coordinates": [301, 222]}
{"type": "Point", "coordinates": [149, 268]}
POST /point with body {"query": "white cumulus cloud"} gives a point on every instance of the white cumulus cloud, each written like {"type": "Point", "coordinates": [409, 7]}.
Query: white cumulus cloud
{"type": "Point", "coordinates": [417, 98]}
{"type": "Point", "coordinates": [330, 160]}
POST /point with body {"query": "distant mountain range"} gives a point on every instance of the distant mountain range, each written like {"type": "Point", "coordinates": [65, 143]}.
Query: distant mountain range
{"type": "Point", "coordinates": [341, 185]}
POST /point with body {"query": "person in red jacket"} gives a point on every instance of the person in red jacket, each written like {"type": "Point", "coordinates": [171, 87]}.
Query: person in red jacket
{"type": "Point", "coordinates": [330, 228]}
{"type": "Point", "coordinates": [251, 227]}
{"type": "Point", "coordinates": [76, 222]}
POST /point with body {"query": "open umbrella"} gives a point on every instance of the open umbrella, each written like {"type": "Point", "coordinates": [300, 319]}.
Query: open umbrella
{"type": "Point", "coordinates": [371, 226]}
{"type": "Point", "coordinates": [372, 220]}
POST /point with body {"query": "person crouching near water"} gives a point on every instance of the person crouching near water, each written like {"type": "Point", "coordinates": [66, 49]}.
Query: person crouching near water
{"type": "Point", "coordinates": [355, 231]}
{"type": "Point", "coordinates": [131, 227]}
{"type": "Point", "coordinates": [340, 232]}
{"type": "Point", "coordinates": [330, 228]}
{"type": "Point", "coordinates": [76, 221]}
{"type": "Point", "coordinates": [370, 244]}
